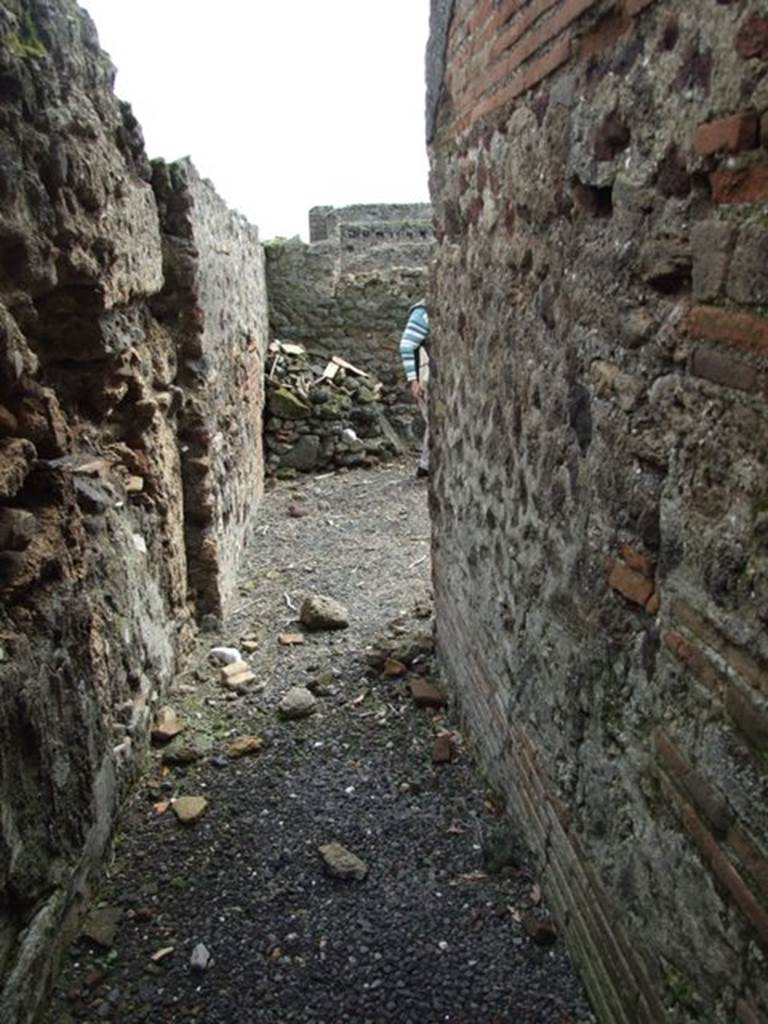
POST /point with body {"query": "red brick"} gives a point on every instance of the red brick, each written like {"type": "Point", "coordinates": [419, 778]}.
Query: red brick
{"type": "Point", "coordinates": [632, 585]}
{"type": "Point", "coordinates": [748, 185]}
{"type": "Point", "coordinates": [724, 370]}
{"type": "Point", "coordinates": [752, 37]}
{"type": "Point", "coordinates": [751, 720]}
{"type": "Point", "coordinates": [751, 858]}
{"type": "Point", "coordinates": [532, 41]}
{"type": "Point", "coordinates": [671, 758]}
{"type": "Point", "coordinates": [708, 802]}
{"type": "Point", "coordinates": [605, 35]}
{"type": "Point", "coordinates": [692, 785]}
{"type": "Point", "coordinates": [482, 13]}
{"type": "Point", "coordinates": [640, 563]}
{"type": "Point", "coordinates": [510, 60]}
{"type": "Point", "coordinates": [524, 80]}
{"type": "Point", "coordinates": [696, 662]}
{"type": "Point", "coordinates": [746, 1012]}
{"type": "Point", "coordinates": [725, 872]}
{"type": "Point", "coordinates": [731, 134]}
{"type": "Point", "coordinates": [754, 673]}
{"type": "Point", "coordinates": [634, 7]}
{"type": "Point", "coordinates": [442, 750]}
{"type": "Point", "coordinates": [744, 331]}
{"type": "Point", "coordinates": [676, 643]}
{"type": "Point", "coordinates": [520, 25]}
{"type": "Point", "coordinates": [425, 695]}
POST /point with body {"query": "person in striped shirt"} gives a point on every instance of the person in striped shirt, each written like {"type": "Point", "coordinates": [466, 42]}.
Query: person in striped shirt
{"type": "Point", "coordinates": [414, 346]}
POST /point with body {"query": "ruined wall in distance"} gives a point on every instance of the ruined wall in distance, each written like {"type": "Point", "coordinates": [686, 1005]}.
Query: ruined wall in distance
{"type": "Point", "coordinates": [327, 221]}
{"type": "Point", "coordinates": [357, 316]}
{"type": "Point", "coordinates": [600, 476]}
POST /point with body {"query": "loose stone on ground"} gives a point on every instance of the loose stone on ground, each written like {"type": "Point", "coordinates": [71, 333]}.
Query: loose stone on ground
{"type": "Point", "coordinates": [322, 612]}
{"type": "Point", "coordinates": [167, 725]}
{"type": "Point", "coordinates": [342, 863]}
{"type": "Point", "coordinates": [298, 702]}
{"type": "Point", "coordinates": [189, 809]}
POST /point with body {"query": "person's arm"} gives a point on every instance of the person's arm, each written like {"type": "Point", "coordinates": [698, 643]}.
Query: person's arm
{"type": "Point", "coordinates": [415, 334]}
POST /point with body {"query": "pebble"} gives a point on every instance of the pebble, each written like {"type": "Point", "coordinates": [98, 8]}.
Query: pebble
{"type": "Point", "coordinates": [225, 655]}
{"type": "Point", "coordinates": [200, 959]}
{"type": "Point", "coordinates": [242, 745]}
{"type": "Point", "coordinates": [342, 863]}
{"type": "Point", "coordinates": [189, 809]}
{"type": "Point", "coordinates": [101, 926]}
{"type": "Point", "coordinates": [298, 702]}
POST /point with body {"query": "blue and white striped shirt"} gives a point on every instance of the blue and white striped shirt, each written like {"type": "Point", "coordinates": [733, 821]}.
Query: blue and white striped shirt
{"type": "Point", "coordinates": [415, 335]}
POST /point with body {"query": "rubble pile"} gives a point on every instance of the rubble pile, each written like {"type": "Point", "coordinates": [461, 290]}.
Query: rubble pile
{"type": "Point", "coordinates": [323, 414]}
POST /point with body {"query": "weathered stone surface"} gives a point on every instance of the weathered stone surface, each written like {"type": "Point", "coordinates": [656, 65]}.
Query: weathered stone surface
{"type": "Point", "coordinates": [131, 345]}
{"type": "Point", "coordinates": [600, 470]}
{"type": "Point", "coordinates": [15, 460]}
{"type": "Point", "coordinates": [240, 681]}
{"type": "Point", "coordinates": [167, 725]}
{"type": "Point", "coordinates": [200, 959]}
{"type": "Point", "coordinates": [288, 406]}
{"type": "Point", "coordinates": [232, 669]}
{"type": "Point", "coordinates": [426, 695]}
{"type": "Point", "coordinates": [341, 863]}
{"type": "Point", "coordinates": [322, 612]}
{"type": "Point", "coordinates": [187, 749]}
{"type": "Point", "coordinates": [101, 926]}
{"type": "Point", "coordinates": [216, 293]}
{"type": "Point", "coordinates": [298, 702]}
{"type": "Point", "coordinates": [241, 746]}
{"type": "Point", "coordinates": [304, 454]}
{"type": "Point", "coordinates": [344, 413]}
{"type": "Point", "coordinates": [189, 809]}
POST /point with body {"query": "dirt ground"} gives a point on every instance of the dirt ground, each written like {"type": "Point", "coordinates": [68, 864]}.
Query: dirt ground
{"type": "Point", "coordinates": [448, 923]}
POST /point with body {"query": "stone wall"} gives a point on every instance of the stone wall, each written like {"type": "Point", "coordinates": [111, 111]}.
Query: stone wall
{"type": "Point", "coordinates": [357, 316]}
{"type": "Point", "coordinates": [600, 477]}
{"type": "Point", "coordinates": [102, 414]}
{"type": "Point", "coordinates": [215, 306]}
{"type": "Point", "coordinates": [327, 221]}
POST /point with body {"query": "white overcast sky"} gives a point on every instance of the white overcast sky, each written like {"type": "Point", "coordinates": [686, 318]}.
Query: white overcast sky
{"type": "Point", "coordinates": [283, 105]}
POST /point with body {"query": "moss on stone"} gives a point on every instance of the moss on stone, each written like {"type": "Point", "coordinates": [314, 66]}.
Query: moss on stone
{"type": "Point", "coordinates": [26, 43]}
{"type": "Point", "coordinates": [285, 405]}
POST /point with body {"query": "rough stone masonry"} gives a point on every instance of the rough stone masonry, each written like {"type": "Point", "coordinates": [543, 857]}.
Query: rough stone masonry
{"type": "Point", "coordinates": [600, 483]}
{"type": "Point", "coordinates": [133, 328]}
{"type": "Point", "coordinates": [133, 335]}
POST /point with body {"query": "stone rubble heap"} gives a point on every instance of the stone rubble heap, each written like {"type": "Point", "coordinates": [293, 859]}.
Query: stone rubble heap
{"type": "Point", "coordinates": [325, 414]}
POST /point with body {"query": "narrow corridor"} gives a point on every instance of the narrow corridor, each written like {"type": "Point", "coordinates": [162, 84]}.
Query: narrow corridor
{"type": "Point", "coordinates": [448, 924]}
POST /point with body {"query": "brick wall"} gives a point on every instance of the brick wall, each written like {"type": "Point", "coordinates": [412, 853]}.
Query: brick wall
{"type": "Point", "coordinates": [600, 485]}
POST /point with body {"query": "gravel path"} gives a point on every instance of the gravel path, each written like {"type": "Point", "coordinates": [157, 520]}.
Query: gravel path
{"type": "Point", "coordinates": [440, 929]}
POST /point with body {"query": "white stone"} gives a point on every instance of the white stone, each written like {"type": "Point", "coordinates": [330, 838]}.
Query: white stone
{"type": "Point", "coordinates": [225, 655]}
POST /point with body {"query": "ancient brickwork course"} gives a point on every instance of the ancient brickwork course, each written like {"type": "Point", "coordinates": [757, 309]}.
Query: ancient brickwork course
{"type": "Point", "coordinates": [132, 337]}
{"type": "Point", "coordinates": [600, 180]}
